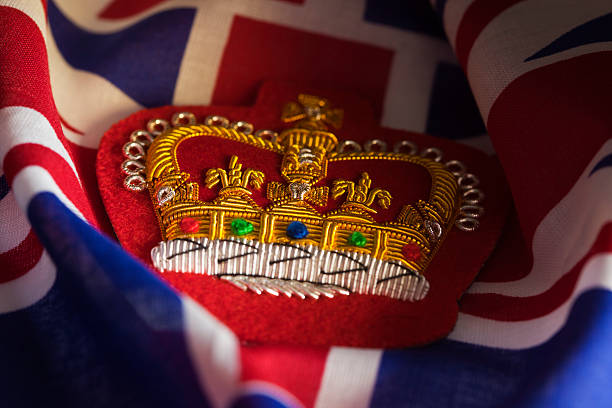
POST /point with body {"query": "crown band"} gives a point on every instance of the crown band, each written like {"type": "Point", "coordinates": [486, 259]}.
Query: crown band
{"type": "Point", "coordinates": [332, 272]}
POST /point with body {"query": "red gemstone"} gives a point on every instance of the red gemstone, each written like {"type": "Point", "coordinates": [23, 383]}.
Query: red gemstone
{"type": "Point", "coordinates": [189, 225]}
{"type": "Point", "coordinates": [412, 252]}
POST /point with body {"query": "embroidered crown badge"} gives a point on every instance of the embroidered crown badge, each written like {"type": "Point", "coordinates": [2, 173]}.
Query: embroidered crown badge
{"type": "Point", "coordinates": [295, 230]}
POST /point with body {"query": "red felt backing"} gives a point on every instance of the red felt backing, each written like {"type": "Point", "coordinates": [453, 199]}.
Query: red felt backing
{"type": "Point", "coordinates": [355, 320]}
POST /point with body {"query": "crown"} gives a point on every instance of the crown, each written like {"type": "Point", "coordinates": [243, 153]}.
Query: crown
{"type": "Point", "coordinates": [285, 226]}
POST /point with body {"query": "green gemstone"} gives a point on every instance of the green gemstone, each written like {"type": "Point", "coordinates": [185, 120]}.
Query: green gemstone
{"type": "Point", "coordinates": [241, 226]}
{"type": "Point", "coordinates": [357, 239]}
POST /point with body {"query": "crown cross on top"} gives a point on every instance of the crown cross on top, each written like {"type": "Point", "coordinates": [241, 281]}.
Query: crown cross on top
{"type": "Point", "coordinates": [312, 112]}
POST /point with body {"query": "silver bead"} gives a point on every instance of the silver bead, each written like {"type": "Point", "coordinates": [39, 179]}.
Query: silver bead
{"type": "Point", "coordinates": [242, 126]}
{"type": "Point", "coordinates": [183, 119]}
{"type": "Point", "coordinates": [432, 153]}
{"type": "Point", "coordinates": [467, 224]}
{"type": "Point", "coordinates": [135, 182]}
{"type": "Point", "coordinates": [267, 134]}
{"type": "Point", "coordinates": [132, 167]}
{"type": "Point", "coordinates": [401, 147]}
{"type": "Point", "coordinates": [468, 181]}
{"type": "Point", "coordinates": [216, 120]}
{"type": "Point", "coordinates": [380, 144]}
{"type": "Point", "coordinates": [434, 229]}
{"type": "Point", "coordinates": [456, 167]}
{"type": "Point", "coordinates": [157, 126]}
{"type": "Point", "coordinates": [473, 196]}
{"type": "Point", "coordinates": [165, 194]}
{"type": "Point", "coordinates": [356, 147]}
{"type": "Point", "coordinates": [141, 136]}
{"type": "Point", "coordinates": [471, 211]}
{"type": "Point", "coordinates": [133, 151]}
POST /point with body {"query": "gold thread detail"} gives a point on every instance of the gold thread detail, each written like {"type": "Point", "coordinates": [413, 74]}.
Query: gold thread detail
{"type": "Point", "coordinates": [307, 149]}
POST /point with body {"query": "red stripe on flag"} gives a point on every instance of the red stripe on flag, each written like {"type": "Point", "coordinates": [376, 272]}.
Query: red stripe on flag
{"type": "Point", "coordinates": [546, 129]}
{"type": "Point", "coordinates": [510, 308]}
{"type": "Point", "coordinates": [296, 369]}
{"type": "Point", "coordinates": [29, 154]}
{"type": "Point", "coordinates": [19, 260]}
{"type": "Point", "coordinates": [257, 51]}
{"type": "Point", "coordinates": [478, 15]}
{"type": "Point", "coordinates": [122, 9]}
{"type": "Point", "coordinates": [24, 81]}
{"type": "Point", "coordinates": [543, 121]}
{"type": "Point", "coordinates": [24, 73]}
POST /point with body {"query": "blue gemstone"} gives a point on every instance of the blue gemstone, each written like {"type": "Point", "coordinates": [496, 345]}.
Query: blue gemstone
{"type": "Point", "coordinates": [297, 230]}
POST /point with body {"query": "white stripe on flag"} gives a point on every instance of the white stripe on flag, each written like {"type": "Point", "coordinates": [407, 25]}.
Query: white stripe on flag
{"type": "Point", "coordinates": [32, 180]}
{"type": "Point", "coordinates": [25, 125]}
{"type": "Point", "coordinates": [349, 377]}
{"type": "Point", "coordinates": [498, 54]}
{"type": "Point", "coordinates": [409, 89]}
{"type": "Point", "coordinates": [15, 224]}
{"type": "Point", "coordinates": [565, 235]}
{"type": "Point", "coordinates": [454, 11]}
{"type": "Point", "coordinates": [214, 352]}
{"type": "Point", "coordinates": [597, 273]}
{"type": "Point", "coordinates": [203, 52]}
{"type": "Point", "coordinates": [28, 288]}
{"type": "Point", "coordinates": [85, 100]}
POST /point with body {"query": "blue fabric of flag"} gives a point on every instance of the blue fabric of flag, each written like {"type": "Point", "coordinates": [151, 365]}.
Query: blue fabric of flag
{"type": "Point", "coordinates": [593, 31]}
{"type": "Point", "coordinates": [450, 373]}
{"type": "Point", "coordinates": [109, 333]}
{"type": "Point", "coordinates": [124, 57]}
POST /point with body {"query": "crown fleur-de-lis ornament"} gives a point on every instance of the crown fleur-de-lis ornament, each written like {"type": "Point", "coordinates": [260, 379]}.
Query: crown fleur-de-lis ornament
{"type": "Point", "coordinates": [360, 196]}
{"type": "Point", "coordinates": [234, 180]}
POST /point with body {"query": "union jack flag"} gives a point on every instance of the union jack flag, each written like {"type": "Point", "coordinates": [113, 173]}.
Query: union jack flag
{"type": "Point", "coordinates": [83, 323]}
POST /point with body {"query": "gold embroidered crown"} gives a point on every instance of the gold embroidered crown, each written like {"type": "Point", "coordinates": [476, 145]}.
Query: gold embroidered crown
{"type": "Point", "coordinates": [293, 245]}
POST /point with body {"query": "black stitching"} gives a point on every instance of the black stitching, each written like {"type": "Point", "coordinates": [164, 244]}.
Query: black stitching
{"type": "Point", "coordinates": [401, 275]}
{"type": "Point", "coordinates": [199, 247]}
{"type": "Point", "coordinates": [362, 267]}
{"type": "Point", "coordinates": [221, 260]}
{"type": "Point", "coordinates": [275, 261]}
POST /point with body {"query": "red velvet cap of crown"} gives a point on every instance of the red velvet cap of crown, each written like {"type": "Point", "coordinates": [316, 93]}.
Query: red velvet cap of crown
{"type": "Point", "coordinates": [354, 320]}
